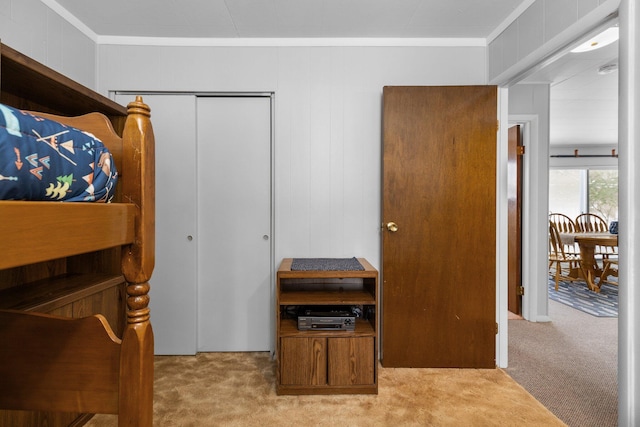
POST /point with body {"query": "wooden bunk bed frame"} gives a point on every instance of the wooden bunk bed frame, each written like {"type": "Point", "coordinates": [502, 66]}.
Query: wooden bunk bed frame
{"type": "Point", "coordinates": [75, 331]}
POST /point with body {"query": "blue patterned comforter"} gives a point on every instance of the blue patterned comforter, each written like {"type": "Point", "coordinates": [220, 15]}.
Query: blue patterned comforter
{"type": "Point", "coordinates": [41, 159]}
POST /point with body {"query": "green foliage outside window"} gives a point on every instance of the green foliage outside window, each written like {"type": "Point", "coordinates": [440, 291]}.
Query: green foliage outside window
{"type": "Point", "coordinates": [603, 194]}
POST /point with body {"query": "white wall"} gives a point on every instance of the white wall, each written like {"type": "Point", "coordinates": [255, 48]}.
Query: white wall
{"type": "Point", "coordinates": [327, 122]}
{"type": "Point", "coordinates": [33, 29]}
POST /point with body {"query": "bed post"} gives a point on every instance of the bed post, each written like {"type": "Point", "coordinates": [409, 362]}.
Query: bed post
{"type": "Point", "coordinates": [136, 360]}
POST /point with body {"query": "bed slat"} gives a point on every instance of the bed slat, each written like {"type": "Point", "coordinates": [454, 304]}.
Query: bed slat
{"type": "Point", "coordinates": [75, 227]}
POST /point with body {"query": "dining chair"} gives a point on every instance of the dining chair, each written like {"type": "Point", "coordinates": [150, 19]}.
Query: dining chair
{"type": "Point", "coordinates": [564, 263]}
{"type": "Point", "coordinates": [610, 268]}
{"type": "Point", "coordinates": [565, 225]}
{"type": "Point", "coordinates": [592, 223]}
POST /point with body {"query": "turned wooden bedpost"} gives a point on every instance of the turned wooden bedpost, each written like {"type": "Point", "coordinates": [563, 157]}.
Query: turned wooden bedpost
{"type": "Point", "coordinates": [138, 187]}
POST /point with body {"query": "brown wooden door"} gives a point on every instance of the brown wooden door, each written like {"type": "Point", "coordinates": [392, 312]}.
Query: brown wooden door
{"type": "Point", "coordinates": [439, 188]}
{"type": "Point", "coordinates": [514, 178]}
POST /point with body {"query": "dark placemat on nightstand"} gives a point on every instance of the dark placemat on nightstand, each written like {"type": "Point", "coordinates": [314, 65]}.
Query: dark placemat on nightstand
{"type": "Point", "coordinates": [326, 264]}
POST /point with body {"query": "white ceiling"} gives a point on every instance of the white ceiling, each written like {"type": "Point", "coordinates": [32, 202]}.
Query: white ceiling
{"type": "Point", "coordinates": [292, 18]}
{"type": "Point", "coordinates": [583, 103]}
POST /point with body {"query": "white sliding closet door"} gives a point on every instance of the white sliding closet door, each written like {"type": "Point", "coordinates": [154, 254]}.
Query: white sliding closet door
{"type": "Point", "coordinates": [211, 286]}
{"type": "Point", "coordinates": [234, 223]}
{"type": "Point", "coordinates": [173, 283]}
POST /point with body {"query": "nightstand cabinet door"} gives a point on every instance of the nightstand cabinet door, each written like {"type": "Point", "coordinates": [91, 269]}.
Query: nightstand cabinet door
{"type": "Point", "coordinates": [304, 361]}
{"type": "Point", "coordinates": [351, 361]}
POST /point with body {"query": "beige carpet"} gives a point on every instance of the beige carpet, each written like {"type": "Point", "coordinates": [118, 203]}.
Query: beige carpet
{"type": "Point", "coordinates": [238, 389]}
{"type": "Point", "coordinates": [568, 364]}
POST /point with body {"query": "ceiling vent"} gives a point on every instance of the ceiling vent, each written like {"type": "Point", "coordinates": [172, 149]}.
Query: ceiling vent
{"type": "Point", "coordinates": [608, 68]}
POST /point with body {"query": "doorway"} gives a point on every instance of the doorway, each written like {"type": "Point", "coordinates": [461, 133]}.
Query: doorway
{"type": "Point", "coordinates": [514, 194]}
{"type": "Point", "coordinates": [536, 308]}
{"type": "Point", "coordinates": [551, 110]}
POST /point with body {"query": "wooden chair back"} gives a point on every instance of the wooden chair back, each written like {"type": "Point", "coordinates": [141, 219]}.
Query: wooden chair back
{"type": "Point", "coordinates": [591, 223]}
{"type": "Point", "coordinates": [563, 223]}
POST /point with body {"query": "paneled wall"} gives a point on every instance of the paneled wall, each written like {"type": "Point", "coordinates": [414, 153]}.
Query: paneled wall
{"type": "Point", "coordinates": [327, 122]}
{"type": "Point", "coordinates": [539, 28]}
{"type": "Point", "coordinates": [35, 30]}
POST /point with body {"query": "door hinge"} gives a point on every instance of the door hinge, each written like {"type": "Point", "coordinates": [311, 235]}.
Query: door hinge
{"type": "Point", "coordinates": [496, 328]}
{"type": "Point", "coordinates": [520, 150]}
{"type": "Point", "coordinates": [520, 290]}
{"type": "Point", "coordinates": [497, 125]}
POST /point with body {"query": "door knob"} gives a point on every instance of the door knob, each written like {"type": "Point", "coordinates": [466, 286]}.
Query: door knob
{"type": "Point", "coordinates": [392, 227]}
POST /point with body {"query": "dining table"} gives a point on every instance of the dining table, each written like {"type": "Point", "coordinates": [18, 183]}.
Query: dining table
{"type": "Point", "coordinates": [587, 242]}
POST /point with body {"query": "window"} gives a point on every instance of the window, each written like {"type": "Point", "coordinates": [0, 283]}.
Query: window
{"type": "Point", "coordinates": [576, 191]}
{"type": "Point", "coordinates": [603, 193]}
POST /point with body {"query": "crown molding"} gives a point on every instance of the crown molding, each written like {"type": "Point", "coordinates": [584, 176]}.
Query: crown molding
{"type": "Point", "coordinates": [291, 42]}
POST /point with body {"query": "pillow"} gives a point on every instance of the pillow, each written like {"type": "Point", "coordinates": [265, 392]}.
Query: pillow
{"type": "Point", "coordinates": [41, 159]}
